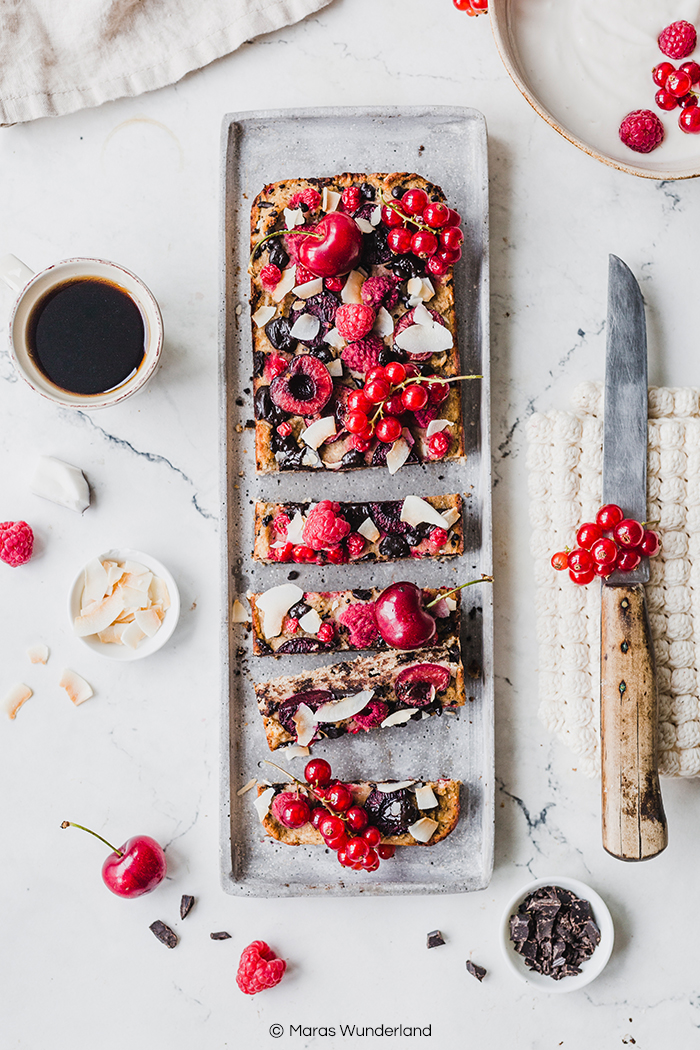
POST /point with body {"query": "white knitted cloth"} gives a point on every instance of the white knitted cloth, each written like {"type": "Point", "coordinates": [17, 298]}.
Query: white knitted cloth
{"type": "Point", "coordinates": [565, 486]}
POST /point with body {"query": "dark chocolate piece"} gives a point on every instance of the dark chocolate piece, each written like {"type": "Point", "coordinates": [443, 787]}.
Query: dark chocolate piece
{"type": "Point", "coordinates": [476, 971]}
{"type": "Point", "coordinates": [435, 939]}
{"type": "Point", "coordinates": [186, 903]}
{"type": "Point", "coordinates": [221, 935]}
{"type": "Point", "coordinates": [164, 934]}
{"type": "Point", "coordinates": [554, 931]}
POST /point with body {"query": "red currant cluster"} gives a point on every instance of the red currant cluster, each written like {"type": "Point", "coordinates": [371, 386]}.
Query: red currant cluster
{"type": "Point", "coordinates": [675, 89]}
{"type": "Point", "coordinates": [428, 229]}
{"type": "Point", "coordinates": [598, 554]}
{"type": "Point", "coordinates": [472, 7]}
{"type": "Point", "coordinates": [330, 807]}
{"type": "Point", "coordinates": [390, 391]}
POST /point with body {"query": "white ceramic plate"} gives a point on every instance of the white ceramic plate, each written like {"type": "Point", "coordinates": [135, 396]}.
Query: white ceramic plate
{"type": "Point", "coordinates": [147, 646]}
{"type": "Point", "coordinates": [591, 968]}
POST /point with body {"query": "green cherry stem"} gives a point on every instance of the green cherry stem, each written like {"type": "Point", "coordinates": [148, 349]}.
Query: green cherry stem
{"type": "Point", "coordinates": [482, 579]}
{"type": "Point", "coordinates": [71, 824]}
{"type": "Point", "coordinates": [279, 233]}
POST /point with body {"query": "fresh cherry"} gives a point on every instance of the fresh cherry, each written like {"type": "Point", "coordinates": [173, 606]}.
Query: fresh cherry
{"type": "Point", "coordinates": [628, 533]}
{"type": "Point", "coordinates": [334, 246]}
{"type": "Point", "coordinates": [608, 516]}
{"type": "Point", "coordinates": [137, 867]}
{"type": "Point", "coordinates": [317, 772]}
{"type": "Point", "coordinates": [402, 620]}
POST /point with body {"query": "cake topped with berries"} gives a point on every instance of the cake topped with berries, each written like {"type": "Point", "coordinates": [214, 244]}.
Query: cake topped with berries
{"type": "Point", "coordinates": [355, 354]}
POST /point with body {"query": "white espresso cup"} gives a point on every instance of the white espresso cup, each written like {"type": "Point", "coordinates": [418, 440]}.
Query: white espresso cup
{"type": "Point", "coordinates": [32, 288]}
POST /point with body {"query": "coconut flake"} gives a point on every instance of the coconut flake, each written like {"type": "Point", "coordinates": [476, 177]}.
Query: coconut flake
{"type": "Point", "coordinates": [38, 654]}
{"type": "Point", "coordinates": [285, 284]}
{"type": "Point", "coordinates": [337, 710]}
{"type": "Point", "coordinates": [133, 635]}
{"type": "Point", "coordinates": [295, 530]}
{"type": "Point", "coordinates": [305, 721]}
{"type": "Point", "coordinates": [310, 621]}
{"type": "Point", "coordinates": [422, 830]}
{"type": "Point", "coordinates": [262, 803]}
{"type": "Point", "coordinates": [148, 621]}
{"type": "Point", "coordinates": [61, 483]}
{"type": "Point", "coordinates": [305, 328]}
{"type": "Point", "coordinates": [383, 323]}
{"type": "Point", "coordinates": [311, 458]}
{"type": "Point", "coordinates": [335, 367]}
{"type": "Point", "coordinates": [397, 455]}
{"type": "Point", "coordinates": [394, 785]}
{"type": "Point", "coordinates": [399, 718]}
{"type": "Point", "coordinates": [96, 583]}
{"type": "Point", "coordinates": [319, 431]}
{"type": "Point", "coordinates": [414, 285]}
{"type": "Point", "coordinates": [275, 604]}
{"type": "Point", "coordinates": [295, 751]}
{"type": "Point", "coordinates": [416, 511]}
{"type": "Point", "coordinates": [113, 633]}
{"type": "Point", "coordinates": [365, 225]}
{"type": "Point", "coordinates": [451, 516]}
{"type": "Point", "coordinates": [305, 291]}
{"type": "Point", "coordinates": [77, 688]}
{"type": "Point", "coordinates": [423, 316]}
{"type": "Point", "coordinates": [351, 292]}
{"type": "Point", "coordinates": [425, 797]}
{"type": "Point", "coordinates": [376, 216]}
{"type": "Point", "coordinates": [293, 217]}
{"type": "Point", "coordinates": [238, 610]}
{"type": "Point", "coordinates": [421, 338]}
{"type": "Point", "coordinates": [263, 315]}
{"type": "Point", "coordinates": [334, 339]}
{"type": "Point", "coordinates": [369, 530]}
{"type": "Point", "coordinates": [13, 700]}
{"type": "Point", "coordinates": [105, 613]}
{"type": "Point", "coordinates": [246, 787]}
{"type": "Point", "coordinates": [329, 199]}
{"type": "Point", "coordinates": [451, 603]}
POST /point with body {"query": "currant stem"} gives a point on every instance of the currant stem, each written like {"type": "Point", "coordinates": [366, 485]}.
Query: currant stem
{"type": "Point", "coordinates": [482, 579]}
{"type": "Point", "coordinates": [71, 824]}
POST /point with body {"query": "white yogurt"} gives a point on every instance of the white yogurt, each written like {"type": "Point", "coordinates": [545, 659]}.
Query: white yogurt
{"type": "Point", "coordinates": [589, 63]}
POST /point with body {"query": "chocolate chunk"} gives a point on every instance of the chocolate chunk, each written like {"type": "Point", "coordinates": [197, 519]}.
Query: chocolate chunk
{"type": "Point", "coordinates": [554, 931]}
{"type": "Point", "coordinates": [435, 939]}
{"type": "Point", "coordinates": [164, 934]}
{"type": "Point", "coordinates": [221, 935]}
{"type": "Point", "coordinates": [186, 903]}
{"type": "Point", "coordinates": [476, 971]}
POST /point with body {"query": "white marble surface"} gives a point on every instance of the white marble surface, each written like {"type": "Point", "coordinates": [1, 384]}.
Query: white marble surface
{"type": "Point", "coordinates": [137, 181]}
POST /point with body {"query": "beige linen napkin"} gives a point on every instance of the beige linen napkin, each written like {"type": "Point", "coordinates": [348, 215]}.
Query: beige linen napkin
{"type": "Point", "coordinates": [57, 56]}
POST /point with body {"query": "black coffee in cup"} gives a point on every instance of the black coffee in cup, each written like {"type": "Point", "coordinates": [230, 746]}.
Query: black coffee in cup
{"type": "Point", "coordinates": [87, 335]}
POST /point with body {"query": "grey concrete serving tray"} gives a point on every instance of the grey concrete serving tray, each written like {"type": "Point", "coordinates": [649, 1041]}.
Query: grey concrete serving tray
{"type": "Point", "coordinates": [448, 146]}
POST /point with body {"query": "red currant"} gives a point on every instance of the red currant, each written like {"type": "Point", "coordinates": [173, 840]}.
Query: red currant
{"type": "Point", "coordinates": [588, 534]}
{"type": "Point", "coordinates": [357, 818]}
{"type": "Point", "coordinates": [438, 392]}
{"type": "Point", "coordinates": [295, 813]}
{"type": "Point", "coordinates": [438, 444]}
{"type": "Point", "coordinates": [603, 568]}
{"type": "Point", "coordinates": [339, 796]}
{"type": "Point", "coordinates": [650, 544]}
{"type": "Point", "coordinates": [560, 561]}
{"type": "Point", "coordinates": [449, 257]}
{"type": "Point", "coordinates": [302, 553]}
{"type": "Point", "coordinates": [317, 816]}
{"type": "Point", "coordinates": [360, 442]}
{"type": "Point", "coordinates": [665, 100]}
{"type": "Point", "coordinates": [454, 219]}
{"type": "Point", "coordinates": [395, 372]}
{"type": "Point", "coordinates": [628, 533]}
{"type": "Point", "coordinates": [604, 551]}
{"type": "Point", "coordinates": [331, 827]}
{"type": "Point", "coordinates": [436, 214]}
{"type": "Point", "coordinates": [388, 429]}
{"type": "Point", "coordinates": [580, 560]}
{"type": "Point", "coordinates": [356, 421]}
{"type": "Point", "coordinates": [424, 244]}
{"type": "Point", "coordinates": [411, 370]}
{"type": "Point", "coordinates": [385, 852]}
{"type": "Point", "coordinates": [372, 835]}
{"type": "Point", "coordinates": [582, 578]}
{"type": "Point", "coordinates": [394, 406]}
{"type": "Point", "coordinates": [692, 69]}
{"type": "Point", "coordinates": [371, 861]}
{"type": "Point", "coordinates": [399, 240]}
{"type": "Point", "coordinates": [357, 850]}
{"type": "Point", "coordinates": [357, 399]}
{"type": "Point", "coordinates": [688, 100]}
{"type": "Point", "coordinates": [339, 842]}
{"type": "Point", "coordinates": [689, 120]}
{"type": "Point", "coordinates": [628, 560]}
{"type": "Point", "coordinates": [415, 397]}
{"type": "Point", "coordinates": [355, 544]}
{"type": "Point", "coordinates": [608, 516]}
{"type": "Point", "coordinates": [661, 73]}
{"type": "Point", "coordinates": [285, 553]}
{"type": "Point", "coordinates": [464, 5]}
{"type": "Point", "coordinates": [480, 5]}
{"type": "Point", "coordinates": [393, 217]}
{"type": "Point", "coordinates": [437, 267]}
{"type": "Point", "coordinates": [343, 858]}
{"type": "Point", "coordinates": [376, 391]}
{"type": "Point", "coordinates": [451, 238]}
{"type": "Point", "coordinates": [334, 284]}
{"type": "Point", "coordinates": [678, 83]}
{"type": "Point", "coordinates": [375, 373]}
{"type": "Point", "coordinates": [414, 201]}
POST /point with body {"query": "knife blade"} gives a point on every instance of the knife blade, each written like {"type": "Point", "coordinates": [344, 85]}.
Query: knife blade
{"type": "Point", "coordinates": [634, 822]}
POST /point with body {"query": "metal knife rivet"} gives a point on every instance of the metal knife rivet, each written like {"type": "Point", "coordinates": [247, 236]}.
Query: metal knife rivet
{"type": "Point", "coordinates": [623, 688]}
{"type": "Point", "coordinates": [624, 604]}
{"type": "Point", "coordinates": [625, 646]}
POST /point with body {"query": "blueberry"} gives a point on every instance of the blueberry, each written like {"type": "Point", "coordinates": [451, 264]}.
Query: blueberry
{"type": "Point", "coordinates": [297, 611]}
{"type": "Point", "coordinates": [278, 256]}
{"type": "Point", "coordinates": [277, 332]}
{"type": "Point", "coordinates": [258, 363]}
{"type": "Point", "coordinates": [392, 812]}
{"type": "Point", "coordinates": [353, 458]}
{"type": "Point", "coordinates": [368, 191]}
{"type": "Point", "coordinates": [398, 192]}
{"type": "Point", "coordinates": [266, 409]}
{"type": "Point", "coordinates": [375, 248]}
{"type": "Point", "coordinates": [386, 355]}
{"type": "Point", "coordinates": [323, 352]}
{"type": "Point", "coordinates": [394, 547]}
{"type": "Point", "coordinates": [362, 596]}
{"type": "Point", "coordinates": [356, 513]}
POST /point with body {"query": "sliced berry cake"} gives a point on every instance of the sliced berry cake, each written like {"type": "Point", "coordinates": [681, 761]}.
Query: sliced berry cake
{"type": "Point", "coordinates": [328, 621]}
{"type": "Point", "coordinates": [353, 319]}
{"type": "Point", "coordinates": [336, 533]}
{"type": "Point", "coordinates": [389, 689]}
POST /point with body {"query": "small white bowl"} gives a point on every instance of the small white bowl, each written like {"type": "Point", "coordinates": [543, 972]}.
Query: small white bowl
{"type": "Point", "coordinates": [147, 646]}
{"type": "Point", "coordinates": [591, 967]}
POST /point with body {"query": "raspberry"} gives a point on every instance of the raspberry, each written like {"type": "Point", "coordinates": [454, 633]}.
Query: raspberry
{"type": "Point", "coordinates": [259, 968]}
{"type": "Point", "coordinates": [284, 429]}
{"type": "Point", "coordinates": [361, 444]}
{"type": "Point", "coordinates": [325, 632]}
{"type": "Point", "coordinates": [438, 444]}
{"type": "Point", "coordinates": [361, 622]}
{"type": "Point", "coordinates": [363, 354]}
{"type": "Point", "coordinates": [290, 625]}
{"type": "Point", "coordinates": [16, 542]}
{"type": "Point", "coordinates": [274, 366]}
{"type": "Point", "coordinates": [310, 197]}
{"type": "Point", "coordinates": [353, 320]}
{"type": "Point", "coordinates": [437, 539]}
{"type": "Point", "coordinates": [303, 276]}
{"type": "Point", "coordinates": [280, 523]}
{"type": "Point", "coordinates": [334, 284]}
{"type": "Point", "coordinates": [678, 39]}
{"type": "Point", "coordinates": [381, 291]}
{"type": "Point", "coordinates": [324, 527]}
{"type": "Point", "coordinates": [270, 277]}
{"type": "Point", "coordinates": [352, 198]}
{"type": "Point", "coordinates": [355, 543]}
{"type": "Point", "coordinates": [641, 130]}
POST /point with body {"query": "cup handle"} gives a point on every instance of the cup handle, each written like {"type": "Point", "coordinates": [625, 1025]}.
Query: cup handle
{"type": "Point", "coordinates": [14, 273]}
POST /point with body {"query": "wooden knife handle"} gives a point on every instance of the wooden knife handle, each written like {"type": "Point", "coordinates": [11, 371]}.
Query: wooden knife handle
{"type": "Point", "coordinates": [634, 822]}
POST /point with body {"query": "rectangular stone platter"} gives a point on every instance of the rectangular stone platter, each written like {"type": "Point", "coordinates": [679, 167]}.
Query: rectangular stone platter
{"type": "Point", "coordinates": [448, 146]}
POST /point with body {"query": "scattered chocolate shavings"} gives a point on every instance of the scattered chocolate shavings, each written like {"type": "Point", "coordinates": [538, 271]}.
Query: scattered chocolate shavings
{"type": "Point", "coordinates": [164, 934]}
{"type": "Point", "coordinates": [222, 935]}
{"type": "Point", "coordinates": [186, 903]}
{"type": "Point", "coordinates": [435, 939]}
{"type": "Point", "coordinates": [476, 971]}
{"type": "Point", "coordinates": [554, 931]}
